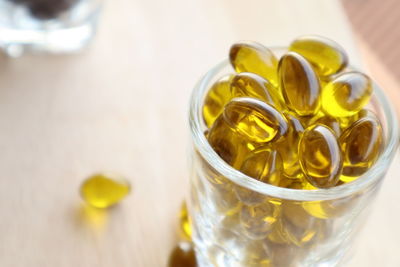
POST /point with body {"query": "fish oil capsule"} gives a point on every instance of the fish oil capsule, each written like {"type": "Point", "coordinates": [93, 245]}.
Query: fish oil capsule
{"type": "Point", "coordinates": [299, 83]}
{"type": "Point", "coordinates": [332, 123]}
{"type": "Point", "coordinates": [104, 190]}
{"type": "Point", "coordinates": [253, 85]}
{"type": "Point", "coordinates": [299, 183]}
{"type": "Point", "coordinates": [347, 94]}
{"type": "Point", "coordinates": [326, 56]}
{"type": "Point", "coordinates": [326, 209]}
{"type": "Point", "coordinates": [256, 58]}
{"type": "Point", "coordinates": [262, 164]}
{"type": "Point", "coordinates": [217, 96]}
{"type": "Point", "coordinates": [183, 255]}
{"type": "Point", "coordinates": [255, 120]}
{"type": "Point", "coordinates": [184, 223]}
{"type": "Point", "coordinates": [320, 156]}
{"type": "Point", "coordinates": [257, 221]}
{"type": "Point", "coordinates": [227, 143]}
{"type": "Point", "coordinates": [361, 145]}
{"type": "Point", "coordinates": [287, 147]}
{"type": "Point", "coordinates": [255, 254]}
{"type": "Point", "coordinates": [301, 228]}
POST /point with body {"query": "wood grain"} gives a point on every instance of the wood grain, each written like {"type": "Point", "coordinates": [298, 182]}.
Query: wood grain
{"type": "Point", "coordinates": [121, 106]}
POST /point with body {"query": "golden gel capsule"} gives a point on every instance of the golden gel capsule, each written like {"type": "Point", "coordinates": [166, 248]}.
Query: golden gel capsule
{"type": "Point", "coordinates": [218, 95]}
{"type": "Point", "coordinates": [301, 228]}
{"type": "Point", "coordinates": [257, 221]}
{"type": "Point", "coordinates": [347, 94]}
{"type": "Point", "coordinates": [320, 156]}
{"type": "Point", "coordinates": [255, 119]}
{"type": "Point", "coordinates": [326, 56]}
{"type": "Point", "coordinates": [227, 143]}
{"type": "Point", "coordinates": [361, 144]}
{"type": "Point", "coordinates": [287, 147]}
{"type": "Point", "coordinates": [253, 85]}
{"type": "Point", "coordinates": [104, 190]}
{"type": "Point", "coordinates": [263, 164]}
{"type": "Point", "coordinates": [185, 228]}
{"type": "Point", "coordinates": [299, 83]}
{"type": "Point", "coordinates": [332, 123]}
{"type": "Point", "coordinates": [256, 58]}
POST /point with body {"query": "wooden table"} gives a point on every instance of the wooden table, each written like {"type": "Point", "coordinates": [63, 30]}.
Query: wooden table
{"type": "Point", "coordinates": [122, 106]}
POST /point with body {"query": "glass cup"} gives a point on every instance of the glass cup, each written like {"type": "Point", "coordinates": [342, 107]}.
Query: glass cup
{"type": "Point", "coordinates": [240, 221]}
{"type": "Point", "coordinates": [55, 26]}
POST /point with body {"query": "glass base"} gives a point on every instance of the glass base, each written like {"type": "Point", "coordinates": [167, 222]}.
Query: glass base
{"type": "Point", "coordinates": [15, 42]}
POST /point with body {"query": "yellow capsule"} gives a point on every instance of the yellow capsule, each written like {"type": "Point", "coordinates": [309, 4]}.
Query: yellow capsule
{"type": "Point", "coordinates": [326, 209]}
{"type": "Point", "coordinates": [182, 255]}
{"type": "Point", "coordinates": [184, 222]}
{"type": "Point", "coordinates": [326, 56]}
{"type": "Point", "coordinates": [301, 228]}
{"type": "Point", "coordinates": [299, 84]}
{"type": "Point", "coordinates": [361, 144]}
{"type": "Point", "coordinates": [257, 221]}
{"type": "Point", "coordinates": [332, 123]}
{"type": "Point", "coordinates": [255, 120]}
{"type": "Point", "coordinates": [263, 164]}
{"type": "Point", "coordinates": [320, 156]}
{"type": "Point", "coordinates": [256, 58]}
{"type": "Point", "coordinates": [104, 190]}
{"type": "Point", "coordinates": [347, 94]}
{"type": "Point", "coordinates": [255, 254]}
{"type": "Point", "coordinates": [299, 183]}
{"type": "Point", "coordinates": [287, 147]}
{"type": "Point", "coordinates": [253, 85]}
{"type": "Point", "coordinates": [216, 98]}
{"type": "Point", "coordinates": [227, 143]}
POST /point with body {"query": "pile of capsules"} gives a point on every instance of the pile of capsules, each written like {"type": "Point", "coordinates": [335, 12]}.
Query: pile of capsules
{"type": "Point", "coordinates": [297, 122]}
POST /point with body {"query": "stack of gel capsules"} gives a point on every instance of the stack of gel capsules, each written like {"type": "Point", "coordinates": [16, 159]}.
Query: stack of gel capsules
{"type": "Point", "coordinates": [300, 122]}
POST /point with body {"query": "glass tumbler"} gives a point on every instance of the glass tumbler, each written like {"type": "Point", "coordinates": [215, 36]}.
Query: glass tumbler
{"type": "Point", "coordinates": [240, 221]}
{"type": "Point", "coordinates": [55, 26]}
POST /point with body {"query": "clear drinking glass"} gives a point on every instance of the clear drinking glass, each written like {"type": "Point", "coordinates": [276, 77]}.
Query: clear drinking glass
{"type": "Point", "coordinates": [55, 26]}
{"type": "Point", "coordinates": [239, 221]}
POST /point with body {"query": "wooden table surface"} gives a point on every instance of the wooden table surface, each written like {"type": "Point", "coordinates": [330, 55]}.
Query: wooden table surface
{"type": "Point", "coordinates": [121, 106]}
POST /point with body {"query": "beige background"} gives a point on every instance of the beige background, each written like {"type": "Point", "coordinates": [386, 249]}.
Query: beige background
{"type": "Point", "coordinates": [122, 106]}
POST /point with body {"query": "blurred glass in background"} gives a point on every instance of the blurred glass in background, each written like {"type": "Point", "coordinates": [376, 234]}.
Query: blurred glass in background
{"type": "Point", "coordinates": [55, 26]}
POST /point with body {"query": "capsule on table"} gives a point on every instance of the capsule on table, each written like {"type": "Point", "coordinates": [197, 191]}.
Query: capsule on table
{"type": "Point", "coordinates": [299, 84]}
{"type": "Point", "coordinates": [361, 144]}
{"type": "Point", "coordinates": [347, 94]}
{"type": "Point", "coordinates": [254, 119]}
{"type": "Point", "coordinates": [253, 85]}
{"type": "Point", "coordinates": [184, 223]}
{"type": "Point", "coordinates": [227, 143]}
{"type": "Point", "coordinates": [326, 56]}
{"type": "Point", "coordinates": [217, 97]}
{"type": "Point", "coordinates": [256, 58]}
{"type": "Point", "coordinates": [104, 190]}
{"type": "Point", "coordinates": [320, 156]}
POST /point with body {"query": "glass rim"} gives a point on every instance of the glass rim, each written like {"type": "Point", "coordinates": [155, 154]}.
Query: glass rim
{"type": "Point", "coordinates": [373, 175]}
